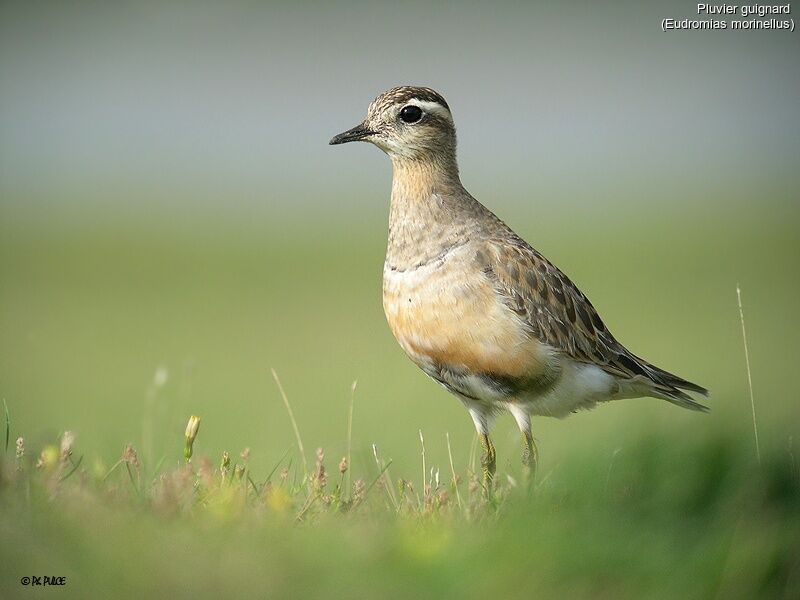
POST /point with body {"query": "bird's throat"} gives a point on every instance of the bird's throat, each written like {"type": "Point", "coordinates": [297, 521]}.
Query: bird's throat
{"type": "Point", "coordinates": [423, 216]}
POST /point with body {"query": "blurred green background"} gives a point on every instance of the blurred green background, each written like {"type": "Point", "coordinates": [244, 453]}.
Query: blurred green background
{"type": "Point", "coordinates": [89, 314]}
{"type": "Point", "coordinates": [168, 202]}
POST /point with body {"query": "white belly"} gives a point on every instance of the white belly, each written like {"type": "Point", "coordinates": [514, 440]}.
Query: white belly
{"type": "Point", "coordinates": [580, 386]}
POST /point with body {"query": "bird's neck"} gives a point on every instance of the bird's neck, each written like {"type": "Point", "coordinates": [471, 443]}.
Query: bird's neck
{"type": "Point", "coordinates": [423, 216]}
{"type": "Point", "coordinates": [414, 179]}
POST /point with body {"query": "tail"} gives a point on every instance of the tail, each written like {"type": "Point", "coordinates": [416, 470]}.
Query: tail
{"type": "Point", "coordinates": [673, 389]}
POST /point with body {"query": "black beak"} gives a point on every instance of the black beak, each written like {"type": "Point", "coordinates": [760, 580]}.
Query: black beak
{"type": "Point", "coordinates": [357, 133]}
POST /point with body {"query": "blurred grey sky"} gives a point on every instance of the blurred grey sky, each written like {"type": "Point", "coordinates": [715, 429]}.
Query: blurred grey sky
{"type": "Point", "coordinates": [233, 103]}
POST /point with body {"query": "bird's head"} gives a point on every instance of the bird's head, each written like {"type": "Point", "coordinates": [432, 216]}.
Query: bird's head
{"type": "Point", "coordinates": [408, 123]}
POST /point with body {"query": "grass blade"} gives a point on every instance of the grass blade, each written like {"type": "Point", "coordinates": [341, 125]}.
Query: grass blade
{"type": "Point", "coordinates": [749, 376]}
{"type": "Point", "coordinates": [350, 439]}
{"type": "Point", "coordinates": [453, 470]}
{"type": "Point", "coordinates": [74, 468]}
{"type": "Point", "coordinates": [130, 475]}
{"type": "Point", "coordinates": [277, 464]}
{"type": "Point", "coordinates": [387, 481]}
{"type": "Point", "coordinates": [424, 469]}
{"type": "Point", "coordinates": [111, 470]}
{"type": "Point", "coordinates": [8, 424]}
{"type": "Point", "coordinates": [158, 466]}
{"type": "Point", "coordinates": [380, 474]}
{"type": "Point", "coordinates": [292, 419]}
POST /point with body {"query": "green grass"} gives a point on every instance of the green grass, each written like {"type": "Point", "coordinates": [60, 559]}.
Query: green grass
{"type": "Point", "coordinates": [667, 517]}
{"type": "Point", "coordinates": [637, 498]}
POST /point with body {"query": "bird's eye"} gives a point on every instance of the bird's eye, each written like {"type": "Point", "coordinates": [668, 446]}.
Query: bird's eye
{"type": "Point", "coordinates": [411, 113]}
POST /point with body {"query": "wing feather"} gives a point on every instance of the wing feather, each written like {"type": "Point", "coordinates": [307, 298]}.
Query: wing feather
{"type": "Point", "coordinates": [554, 309]}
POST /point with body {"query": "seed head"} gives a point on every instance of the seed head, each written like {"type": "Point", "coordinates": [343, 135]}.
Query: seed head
{"type": "Point", "coordinates": [320, 476]}
{"type": "Point", "coordinates": [225, 466]}
{"type": "Point", "coordinates": [67, 441]}
{"type": "Point", "coordinates": [129, 456]}
{"type": "Point", "coordinates": [343, 465]}
{"type": "Point", "coordinates": [359, 491]}
{"type": "Point", "coordinates": [20, 452]}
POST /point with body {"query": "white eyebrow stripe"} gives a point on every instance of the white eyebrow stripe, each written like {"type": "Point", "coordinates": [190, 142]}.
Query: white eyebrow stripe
{"type": "Point", "coordinates": [432, 107]}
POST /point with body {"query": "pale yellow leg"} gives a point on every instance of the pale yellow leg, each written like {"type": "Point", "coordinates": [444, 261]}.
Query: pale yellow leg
{"type": "Point", "coordinates": [530, 457]}
{"type": "Point", "coordinates": [489, 463]}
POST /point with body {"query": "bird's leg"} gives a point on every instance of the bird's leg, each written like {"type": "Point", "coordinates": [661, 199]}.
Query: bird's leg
{"type": "Point", "coordinates": [530, 457]}
{"type": "Point", "coordinates": [489, 463]}
{"type": "Point", "coordinates": [530, 453]}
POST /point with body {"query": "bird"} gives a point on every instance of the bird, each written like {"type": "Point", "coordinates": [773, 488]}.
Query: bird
{"type": "Point", "coordinates": [475, 306]}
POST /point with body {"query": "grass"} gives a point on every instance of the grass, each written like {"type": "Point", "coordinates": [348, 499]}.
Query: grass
{"type": "Point", "coordinates": [749, 373]}
{"type": "Point", "coordinates": [119, 333]}
{"type": "Point", "coordinates": [675, 517]}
